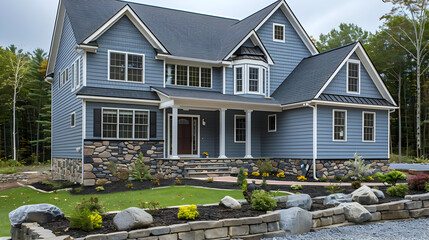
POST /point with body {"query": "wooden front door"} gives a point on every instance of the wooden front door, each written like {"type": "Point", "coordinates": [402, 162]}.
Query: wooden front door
{"type": "Point", "coordinates": [184, 136]}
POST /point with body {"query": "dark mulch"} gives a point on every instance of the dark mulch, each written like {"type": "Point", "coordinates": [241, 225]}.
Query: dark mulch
{"type": "Point", "coordinates": [54, 185]}
{"type": "Point", "coordinates": [163, 217]}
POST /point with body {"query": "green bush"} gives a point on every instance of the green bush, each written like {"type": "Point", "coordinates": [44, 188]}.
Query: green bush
{"type": "Point", "coordinates": [358, 168]}
{"type": "Point", "coordinates": [390, 178]}
{"type": "Point", "coordinates": [85, 220]}
{"type": "Point", "coordinates": [263, 201]}
{"type": "Point", "coordinates": [91, 204]}
{"type": "Point", "coordinates": [356, 184]}
{"type": "Point", "coordinates": [427, 187]}
{"type": "Point", "coordinates": [99, 188]}
{"type": "Point", "coordinates": [399, 190]}
{"type": "Point", "coordinates": [265, 166]}
{"type": "Point", "coordinates": [188, 213]}
{"type": "Point", "coordinates": [241, 177]}
{"type": "Point", "coordinates": [296, 187]}
{"type": "Point", "coordinates": [140, 171]}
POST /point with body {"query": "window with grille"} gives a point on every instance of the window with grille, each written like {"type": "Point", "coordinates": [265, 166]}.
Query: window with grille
{"type": "Point", "coordinates": [253, 79]}
{"type": "Point", "coordinates": [272, 123]}
{"type": "Point", "coordinates": [240, 128]}
{"type": "Point", "coordinates": [125, 124]}
{"type": "Point", "coordinates": [353, 77]}
{"type": "Point", "coordinates": [279, 32]}
{"type": "Point", "coordinates": [368, 127]}
{"type": "Point", "coordinates": [126, 67]}
{"type": "Point", "coordinates": [340, 124]}
{"type": "Point", "coordinates": [239, 79]}
{"type": "Point", "coordinates": [191, 76]}
{"type": "Point", "coordinates": [250, 79]}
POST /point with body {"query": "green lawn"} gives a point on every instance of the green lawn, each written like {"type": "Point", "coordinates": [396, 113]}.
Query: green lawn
{"type": "Point", "coordinates": [171, 196]}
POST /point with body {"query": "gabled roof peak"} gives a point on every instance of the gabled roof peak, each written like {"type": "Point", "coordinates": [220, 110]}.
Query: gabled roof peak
{"type": "Point", "coordinates": [333, 49]}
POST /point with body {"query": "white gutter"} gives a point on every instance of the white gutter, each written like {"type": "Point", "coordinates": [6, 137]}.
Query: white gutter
{"type": "Point", "coordinates": [314, 138]}
{"type": "Point", "coordinates": [161, 56]}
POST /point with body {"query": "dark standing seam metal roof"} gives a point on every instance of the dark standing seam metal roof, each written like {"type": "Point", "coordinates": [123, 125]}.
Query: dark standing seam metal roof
{"type": "Point", "coordinates": [211, 95]}
{"type": "Point", "coordinates": [357, 100]}
{"type": "Point", "coordinates": [117, 93]}
{"type": "Point", "coordinates": [308, 78]}
{"type": "Point", "coordinates": [182, 33]}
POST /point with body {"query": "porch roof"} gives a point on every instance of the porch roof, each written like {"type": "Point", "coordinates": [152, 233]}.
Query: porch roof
{"type": "Point", "coordinates": [117, 93]}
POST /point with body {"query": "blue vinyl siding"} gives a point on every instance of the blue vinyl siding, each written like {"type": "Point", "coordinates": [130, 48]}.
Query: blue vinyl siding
{"type": "Point", "coordinates": [124, 36]}
{"type": "Point", "coordinates": [286, 55]}
{"type": "Point", "coordinates": [90, 106]}
{"type": "Point", "coordinates": [65, 139]}
{"type": "Point", "coordinates": [328, 149]}
{"type": "Point", "coordinates": [229, 80]}
{"type": "Point", "coordinates": [294, 136]}
{"type": "Point", "coordinates": [339, 83]}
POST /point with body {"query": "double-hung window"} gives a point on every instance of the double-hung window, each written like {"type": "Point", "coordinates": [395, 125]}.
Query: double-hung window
{"type": "Point", "coordinates": [75, 74]}
{"type": "Point", "coordinates": [192, 76]}
{"type": "Point", "coordinates": [353, 76]}
{"type": "Point", "coordinates": [64, 77]}
{"type": "Point", "coordinates": [239, 128]}
{"type": "Point", "coordinates": [278, 32]}
{"type": "Point", "coordinates": [126, 67]}
{"type": "Point", "coordinates": [125, 124]}
{"type": "Point", "coordinates": [340, 125]}
{"type": "Point", "coordinates": [368, 126]}
{"type": "Point", "coordinates": [250, 79]}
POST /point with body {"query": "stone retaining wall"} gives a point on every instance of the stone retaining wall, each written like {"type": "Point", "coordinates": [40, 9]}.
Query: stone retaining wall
{"type": "Point", "coordinates": [67, 169]}
{"type": "Point", "coordinates": [413, 206]}
{"type": "Point", "coordinates": [31, 231]}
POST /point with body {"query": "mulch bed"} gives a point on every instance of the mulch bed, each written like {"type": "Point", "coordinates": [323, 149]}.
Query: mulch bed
{"type": "Point", "coordinates": [163, 217]}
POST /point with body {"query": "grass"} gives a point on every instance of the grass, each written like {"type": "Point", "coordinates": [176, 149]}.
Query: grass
{"type": "Point", "coordinates": [9, 170]}
{"type": "Point", "coordinates": [394, 158]}
{"type": "Point", "coordinates": [171, 196]}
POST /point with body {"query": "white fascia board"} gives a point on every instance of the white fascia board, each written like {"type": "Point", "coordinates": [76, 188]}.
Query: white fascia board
{"type": "Point", "coordinates": [118, 100]}
{"type": "Point", "coordinates": [87, 48]}
{"type": "Point", "coordinates": [126, 10]}
{"type": "Point", "coordinates": [161, 56]}
{"type": "Point", "coordinates": [56, 37]}
{"type": "Point", "coordinates": [49, 80]}
{"type": "Point", "coordinates": [295, 105]}
{"type": "Point", "coordinates": [295, 24]}
{"type": "Point", "coordinates": [352, 105]}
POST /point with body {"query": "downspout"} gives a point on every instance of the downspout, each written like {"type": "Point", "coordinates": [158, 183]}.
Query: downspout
{"type": "Point", "coordinates": [314, 138]}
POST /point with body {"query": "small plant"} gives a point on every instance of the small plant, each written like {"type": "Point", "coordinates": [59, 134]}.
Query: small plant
{"type": "Point", "coordinates": [150, 207]}
{"type": "Point", "coordinates": [323, 179]}
{"type": "Point", "coordinates": [296, 187]}
{"type": "Point", "coordinates": [427, 187]}
{"type": "Point", "coordinates": [265, 175]}
{"type": "Point", "coordinates": [334, 188]}
{"type": "Point", "coordinates": [356, 184]}
{"type": "Point", "coordinates": [281, 175]}
{"type": "Point", "coordinates": [244, 186]}
{"type": "Point", "coordinates": [418, 182]}
{"type": "Point", "coordinates": [113, 168]}
{"type": "Point", "coordinates": [265, 166]}
{"type": "Point", "coordinates": [263, 201]}
{"type": "Point", "coordinates": [358, 168]}
{"type": "Point", "coordinates": [155, 182]}
{"type": "Point", "coordinates": [177, 181]}
{"type": "Point", "coordinates": [399, 190]}
{"type": "Point", "coordinates": [256, 174]}
{"type": "Point", "coordinates": [264, 185]}
{"type": "Point", "coordinates": [345, 179]}
{"type": "Point", "coordinates": [101, 182]}
{"type": "Point", "coordinates": [390, 178]}
{"type": "Point", "coordinates": [337, 178]}
{"type": "Point", "coordinates": [302, 178]}
{"type": "Point", "coordinates": [210, 180]}
{"type": "Point", "coordinates": [188, 213]}
{"type": "Point", "coordinates": [141, 172]}
{"type": "Point", "coordinates": [78, 189]}
{"type": "Point", "coordinates": [241, 177]}
{"type": "Point", "coordinates": [130, 186]}
{"type": "Point", "coordinates": [99, 188]}
{"type": "Point", "coordinates": [85, 220]}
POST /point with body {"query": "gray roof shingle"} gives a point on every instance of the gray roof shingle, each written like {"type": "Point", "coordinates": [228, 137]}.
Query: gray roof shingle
{"type": "Point", "coordinates": [308, 78]}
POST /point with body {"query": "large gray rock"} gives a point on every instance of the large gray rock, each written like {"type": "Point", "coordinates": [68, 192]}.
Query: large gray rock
{"type": "Point", "coordinates": [40, 213]}
{"type": "Point", "coordinates": [132, 218]}
{"type": "Point", "coordinates": [230, 202]}
{"type": "Point", "coordinates": [303, 201]}
{"type": "Point", "coordinates": [378, 193]}
{"type": "Point", "coordinates": [295, 220]}
{"type": "Point", "coordinates": [337, 199]}
{"type": "Point", "coordinates": [355, 212]}
{"type": "Point", "coordinates": [364, 195]}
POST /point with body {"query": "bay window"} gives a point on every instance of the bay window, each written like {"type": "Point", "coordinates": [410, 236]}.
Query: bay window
{"type": "Point", "coordinates": [250, 79]}
{"type": "Point", "coordinates": [125, 124]}
{"type": "Point", "coordinates": [191, 76]}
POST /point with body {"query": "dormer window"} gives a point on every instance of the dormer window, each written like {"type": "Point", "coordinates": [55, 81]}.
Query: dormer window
{"type": "Point", "coordinates": [353, 76]}
{"type": "Point", "coordinates": [250, 79]}
{"type": "Point", "coordinates": [278, 32]}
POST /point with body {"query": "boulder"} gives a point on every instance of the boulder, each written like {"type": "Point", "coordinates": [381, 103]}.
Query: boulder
{"type": "Point", "coordinates": [303, 201]}
{"type": "Point", "coordinates": [354, 212]}
{"type": "Point", "coordinates": [132, 218]}
{"type": "Point", "coordinates": [378, 193]}
{"type": "Point", "coordinates": [40, 213]}
{"type": "Point", "coordinates": [295, 220]}
{"type": "Point", "coordinates": [364, 195]}
{"type": "Point", "coordinates": [337, 199]}
{"type": "Point", "coordinates": [230, 202]}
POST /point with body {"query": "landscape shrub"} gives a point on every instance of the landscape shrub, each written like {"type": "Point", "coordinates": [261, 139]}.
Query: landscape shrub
{"type": "Point", "coordinates": [356, 184]}
{"type": "Point", "coordinates": [281, 175]}
{"type": "Point", "coordinates": [296, 187]}
{"type": "Point", "coordinates": [427, 187]}
{"type": "Point", "coordinates": [390, 178]}
{"type": "Point", "coordinates": [99, 188]}
{"type": "Point", "coordinates": [241, 177]}
{"type": "Point", "coordinates": [150, 207]}
{"type": "Point", "coordinates": [188, 213]}
{"type": "Point", "coordinates": [87, 215]}
{"type": "Point", "coordinates": [265, 166]}
{"type": "Point", "coordinates": [399, 190]}
{"type": "Point", "coordinates": [418, 182]}
{"type": "Point", "coordinates": [358, 168]}
{"type": "Point", "coordinates": [263, 201]}
{"type": "Point", "coordinates": [92, 204]}
{"type": "Point", "coordinates": [140, 171]}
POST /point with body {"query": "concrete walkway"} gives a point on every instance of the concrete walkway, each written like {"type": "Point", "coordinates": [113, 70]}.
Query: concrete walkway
{"type": "Point", "coordinates": [287, 183]}
{"type": "Point", "coordinates": [405, 166]}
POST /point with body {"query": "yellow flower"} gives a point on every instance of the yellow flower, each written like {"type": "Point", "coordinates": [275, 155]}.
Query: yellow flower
{"type": "Point", "coordinates": [246, 173]}
{"type": "Point", "coordinates": [255, 174]}
{"type": "Point", "coordinates": [302, 178]}
{"type": "Point", "coordinates": [281, 175]}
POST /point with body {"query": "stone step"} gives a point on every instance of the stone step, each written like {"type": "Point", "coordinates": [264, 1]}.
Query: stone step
{"type": "Point", "coordinates": [208, 174]}
{"type": "Point", "coordinates": [206, 168]}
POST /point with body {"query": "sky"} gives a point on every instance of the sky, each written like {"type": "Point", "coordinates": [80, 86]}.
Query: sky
{"type": "Point", "coordinates": [29, 23]}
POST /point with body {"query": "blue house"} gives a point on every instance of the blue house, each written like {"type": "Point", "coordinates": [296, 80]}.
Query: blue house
{"type": "Point", "coordinates": [131, 78]}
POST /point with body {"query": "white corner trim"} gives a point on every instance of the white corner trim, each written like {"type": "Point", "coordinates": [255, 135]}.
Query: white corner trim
{"type": "Point", "coordinates": [224, 80]}
{"type": "Point", "coordinates": [83, 119]}
{"type": "Point", "coordinates": [127, 10]}
{"type": "Point", "coordinates": [274, 32]}
{"type": "Point", "coordinates": [374, 127]}
{"type": "Point", "coordinates": [84, 66]}
{"type": "Point", "coordinates": [333, 125]}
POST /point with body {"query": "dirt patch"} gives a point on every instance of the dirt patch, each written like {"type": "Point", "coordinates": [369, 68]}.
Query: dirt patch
{"type": "Point", "coordinates": [34, 174]}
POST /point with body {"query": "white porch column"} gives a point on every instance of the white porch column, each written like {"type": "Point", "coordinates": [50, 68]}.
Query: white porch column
{"type": "Point", "coordinates": [174, 134]}
{"type": "Point", "coordinates": [248, 134]}
{"type": "Point", "coordinates": [222, 128]}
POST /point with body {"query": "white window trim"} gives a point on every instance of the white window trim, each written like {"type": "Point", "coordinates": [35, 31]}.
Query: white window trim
{"type": "Point", "coordinates": [275, 122]}
{"type": "Point", "coordinates": [363, 126]}
{"type": "Point", "coordinates": [235, 128]}
{"type": "Point", "coordinates": [246, 79]}
{"type": "Point", "coordinates": [333, 125]}
{"type": "Point", "coordinates": [242, 78]}
{"type": "Point", "coordinates": [274, 32]}
{"type": "Point", "coordinates": [77, 63]}
{"type": "Point", "coordinates": [359, 76]}
{"type": "Point", "coordinates": [73, 114]}
{"type": "Point", "coordinates": [126, 66]}
{"type": "Point", "coordinates": [117, 123]}
{"type": "Point", "coordinates": [187, 85]}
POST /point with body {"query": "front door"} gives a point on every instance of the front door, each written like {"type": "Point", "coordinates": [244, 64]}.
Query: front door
{"type": "Point", "coordinates": [184, 132]}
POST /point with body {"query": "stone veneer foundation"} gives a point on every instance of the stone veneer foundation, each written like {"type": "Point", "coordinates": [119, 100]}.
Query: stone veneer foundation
{"type": "Point", "coordinates": [67, 169]}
